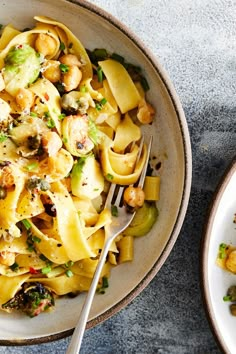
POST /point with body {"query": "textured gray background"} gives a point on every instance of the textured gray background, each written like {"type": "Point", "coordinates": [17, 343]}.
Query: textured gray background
{"type": "Point", "coordinates": [195, 40]}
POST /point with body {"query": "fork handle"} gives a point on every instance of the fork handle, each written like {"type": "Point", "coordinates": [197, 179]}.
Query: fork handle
{"type": "Point", "coordinates": [77, 336]}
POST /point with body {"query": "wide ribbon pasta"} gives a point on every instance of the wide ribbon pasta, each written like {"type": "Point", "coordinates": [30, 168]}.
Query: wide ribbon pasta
{"type": "Point", "coordinates": [53, 217]}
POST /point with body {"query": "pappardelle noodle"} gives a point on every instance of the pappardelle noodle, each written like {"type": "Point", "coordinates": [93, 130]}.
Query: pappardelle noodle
{"type": "Point", "coordinates": [70, 124]}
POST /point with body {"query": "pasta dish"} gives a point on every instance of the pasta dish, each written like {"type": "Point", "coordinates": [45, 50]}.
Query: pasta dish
{"type": "Point", "coordinates": [70, 124]}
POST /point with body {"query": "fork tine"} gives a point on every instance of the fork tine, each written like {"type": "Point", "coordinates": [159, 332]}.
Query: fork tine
{"type": "Point", "coordinates": [143, 174]}
{"type": "Point", "coordinates": [110, 195]}
{"type": "Point", "coordinates": [119, 195]}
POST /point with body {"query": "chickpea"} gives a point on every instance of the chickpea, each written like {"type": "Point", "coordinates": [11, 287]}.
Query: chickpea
{"type": "Point", "coordinates": [7, 258]}
{"type": "Point", "coordinates": [230, 262]}
{"type": "Point", "coordinates": [51, 143]}
{"type": "Point", "coordinates": [70, 59]}
{"type": "Point", "coordinates": [51, 70]}
{"type": "Point", "coordinates": [24, 99]}
{"type": "Point", "coordinates": [45, 44]}
{"type": "Point", "coordinates": [7, 179]}
{"type": "Point", "coordinates": [145, 112]}
{"type": "Point", "coordinates": [72, 78]}
{"type": "Point", "coordinates": [134, 196]}
{"type": "Point", "coordinates": [2, 83]}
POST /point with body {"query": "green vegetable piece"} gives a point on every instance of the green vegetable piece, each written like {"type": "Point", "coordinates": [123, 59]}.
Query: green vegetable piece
{"type": "Point", "coordinates": [143, 221]}
{"type": "Point", "coordinates": [22, 67]}
{"type": "Point", "coordinates": [87, 180]}
{"type": "Point", "coordinates": [222, 250]}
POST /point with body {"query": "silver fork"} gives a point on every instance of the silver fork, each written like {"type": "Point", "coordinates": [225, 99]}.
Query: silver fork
{"type": "Point", "coordinates": [111, 231]}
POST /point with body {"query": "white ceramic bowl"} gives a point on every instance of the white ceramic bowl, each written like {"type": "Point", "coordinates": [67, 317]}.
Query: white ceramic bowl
{"type": "Point", "coordinates": [98, 29]}
{"type": "Point", "coordinates": [220, 228]}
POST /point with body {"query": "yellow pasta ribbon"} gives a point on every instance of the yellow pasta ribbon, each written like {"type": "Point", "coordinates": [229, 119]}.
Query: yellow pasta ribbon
{"type": "Point", "coordinates": [49, 95]}
{"type": "Point", "coordinates": [8, 33]}
{"type": "Point", "coordinates": [10, 285]}
{"type": "Point", "coordinates": [63, 285]}
{"type": "Point", "coordinates": [8, 215]}
{"type": "Point", "coordinates": [68, 223]}
{"type": "Point", "coordinates": [121, 168]}
{"type": "Point", "coordinates": [126, 133]}
{"type": "Point", "coordinates": [121, 85]}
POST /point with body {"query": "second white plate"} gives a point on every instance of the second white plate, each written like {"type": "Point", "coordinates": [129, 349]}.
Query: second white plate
{"type": "Point", "coordinates": [220, 229]}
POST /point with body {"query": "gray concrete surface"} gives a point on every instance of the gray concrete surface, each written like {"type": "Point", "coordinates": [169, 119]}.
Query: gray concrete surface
{"type": "Point", "coordinates": [195, 40]}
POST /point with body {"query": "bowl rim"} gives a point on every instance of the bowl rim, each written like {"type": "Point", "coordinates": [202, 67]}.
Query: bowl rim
{"type": "Point", "coordinates": [204, 248]}
{"type": "Point", "coordinates": [186, 185]}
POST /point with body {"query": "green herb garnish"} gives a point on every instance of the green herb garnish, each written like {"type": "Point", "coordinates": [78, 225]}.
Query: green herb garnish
{"type": "Point", "coordinates": [109, 177]}
{"type": "Point", "coordinates": [104, 285]}
{"type": "Point", "coordinates": [50, 123]}
{"type": "Point", "coordinates": [69, 273]}
{"type": "Point", "coordinates": [32, 114]}
{"type": "Point", "coordinates": [14, 267]}
{"type": "Point", "coordinates": [46, 269]}
{"type": "Point", "coordinates": [222, 250]}
{"type": "Point", "coordinates": [117, 57]}
{"type": "Point", "coordinates": [227, 298]}
{"type": "Point", "coordinates": [62, 46]}
{"type": "Point", "coordinates": [64, 68]}
{"type": "Point", "coordinates": [61, 116]}
{"type": "Point", "coordinates": [32, 166]}
{"type": "Point", "coordinates": [100, 74]}
{"type": "Point", "coordinates": [26, 224]}
{"type": "Point", "coordinates": [114, 210]}
{"type": "Point", "coordinates": [3, 137]}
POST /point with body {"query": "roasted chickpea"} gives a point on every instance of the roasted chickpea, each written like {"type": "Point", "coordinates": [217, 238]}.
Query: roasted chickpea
{"type": "Point", "coordinates": [145, 112]}
{"type": "Point", "coordinates": [51, 70]}
{"type": "Point", "coordinates": [45, 44]}
{"type": "Point", "coordinates": [70, 59]}
{"type": "Point", "coordinates": [7, 179]}
{"type": "Point", "coordinates": [7, 258]}
{"type": "Point", "coordinates": [51, 143]}
{"type": "Point", "coordinates": [72, 78]}
{"type": "Point", "coordinates": [134, 197]}
{"type": "Point", "coordinates": [24, 99]}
